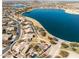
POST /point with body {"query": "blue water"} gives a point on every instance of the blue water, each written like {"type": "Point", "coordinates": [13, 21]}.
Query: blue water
{"type": "Point", "coordinates": [19, 5]}
{"type": "Point", "coordinates": [57, 22]}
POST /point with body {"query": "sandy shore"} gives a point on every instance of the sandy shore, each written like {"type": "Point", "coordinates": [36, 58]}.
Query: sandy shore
{"type": "Point", "coordinates": [72, 11]}
{"type": "Point", "coordinates": [36, 23]}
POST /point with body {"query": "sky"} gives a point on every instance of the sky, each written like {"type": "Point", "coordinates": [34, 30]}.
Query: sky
{"type": "Point", "coordinates": [41, 0]}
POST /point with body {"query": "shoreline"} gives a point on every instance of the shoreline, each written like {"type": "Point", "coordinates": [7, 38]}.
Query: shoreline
{"type": "Point", "coordinates": [69, 11]}
{"type": "Point", "coordinates": [33, 20]}
{"type": "Point", "coordinates": [72, 11]}
{"type": "Point", "coordinates": [37, 23]}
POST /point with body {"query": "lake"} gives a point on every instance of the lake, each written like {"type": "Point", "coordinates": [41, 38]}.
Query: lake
{"type": "Point", "coordinates": [18, 5]}
{"type": "Point", "coordinates": [57, 22]}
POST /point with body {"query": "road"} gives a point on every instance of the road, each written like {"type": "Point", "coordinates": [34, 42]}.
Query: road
{"type": "Point", "coordinates": [17, 37]}
{"type": "Point", "coordinates": [55, 49]}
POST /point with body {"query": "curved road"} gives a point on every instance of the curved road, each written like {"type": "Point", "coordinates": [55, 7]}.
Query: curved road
{"type": "Point", "coordinates": [17, 37]}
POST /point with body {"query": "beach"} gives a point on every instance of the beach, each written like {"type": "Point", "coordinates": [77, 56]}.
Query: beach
{"type": "Point", "coordinates": [72, 11]}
